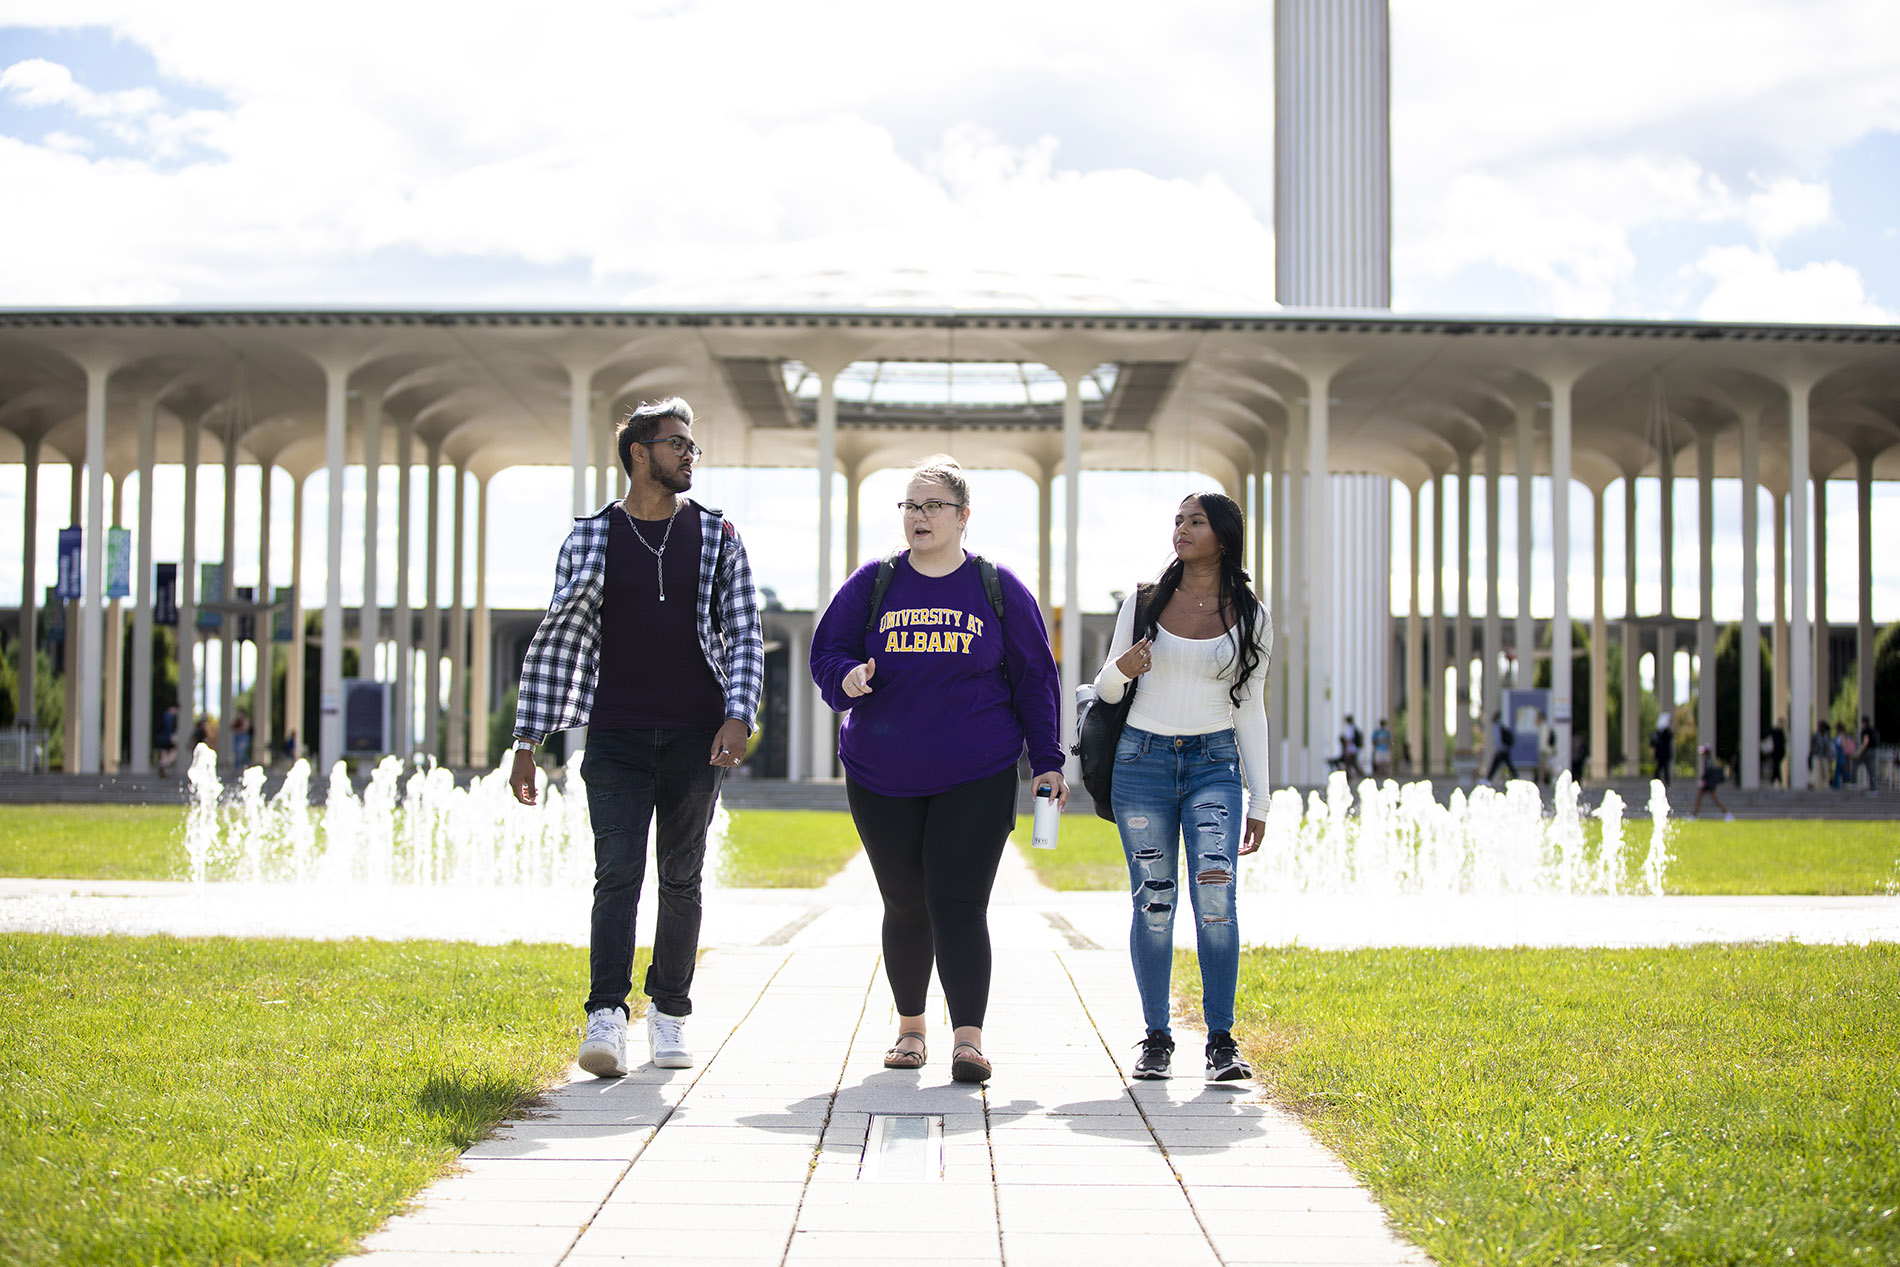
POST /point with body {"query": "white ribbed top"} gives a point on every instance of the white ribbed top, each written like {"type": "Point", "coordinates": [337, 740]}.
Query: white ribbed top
{"type": "Point", "coordinates": [1185, 693]}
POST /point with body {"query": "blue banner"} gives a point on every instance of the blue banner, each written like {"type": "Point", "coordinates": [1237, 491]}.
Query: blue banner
{"type": "Point", "coordinates": [210, 590]}
{"type": "Point", "coordinates": [71, 582]}
{"type": "Point", "coordinates": [118, 563]}
{"type": "Point", "coordinates": [280, 622]}
{"type": "Point", "coordinates": [165, 595]}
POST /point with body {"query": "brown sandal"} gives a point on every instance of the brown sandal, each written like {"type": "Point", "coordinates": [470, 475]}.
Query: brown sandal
{"type": "Point", "coordinates": [970, 1068]}
{"type": "Point", "coordinates": [898, 1058]}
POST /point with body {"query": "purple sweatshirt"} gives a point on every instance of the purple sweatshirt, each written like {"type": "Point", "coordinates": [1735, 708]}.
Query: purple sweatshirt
{"type": "Point", "coordinates": [941, 711]}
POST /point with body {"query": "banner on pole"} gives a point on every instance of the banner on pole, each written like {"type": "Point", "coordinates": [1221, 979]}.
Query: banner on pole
{"type": "Point", "coordinates": [280, 620]}
{"type": "Point", "coordinates": [246, 621]}
{"type": "Point", "coordinates": [210, 590]}
{"type": "Point", "coordinates": [71, 574]}
{"type": "Point", "coordinates": [165, 594]}
{"type": "Point", "coordinates": [118, 563]}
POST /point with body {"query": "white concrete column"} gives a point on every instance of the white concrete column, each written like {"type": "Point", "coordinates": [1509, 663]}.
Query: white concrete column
{"type": "Point", "coordinates": [1440, 660]}
{"type": "Point", "coordinates": [336, 377]}
{"type": "Point", "coordinates": [294, 659]}
{"type": "Point", "coordinates": [1332, 154]}
{"type": "Point", "coordinates": [187, 628]}
{"type": "Point", "coordinates": [29, 641]}
{"type": "Point", "coordinates": [1417, 714]}
{"type": "Point", "coordinates": [1071, 662]}
{"type": "Point", "coordinates": [369, 622]}
{"type": "Point", "coordinates": [1864, 578]}
{"type": "Point", "coordinates": [1666, 555]}
{"type": "Point", "coordinates": [1823, 672]}
{"type": "Point", "coordinates": [580, 389]}
{"type": "Point", "coordinates": [1599, 658]}
{"type": "Point", "coordinates": [75, 619]}
{"type": "Point", "coordinates": [1259, 520]}
{"type": "Point", "coordinates": [91, 632]}
{"type": "Point", "coordinates": [1750, 734]}
{"type": "Point", "coordinates": [1561, 700]}
{"type": "Point", "coordinates": [1045, 545]}
{"type": "Point", "coordinates": [1461, 634]}
{"type": "Point", "coordinates": [1280, 703]}
{"type": "Point", "coordinates": [142, 592]}
{"type": "Point", "coordinates": [227, 592]}
{"type": "Point", "coordinates": [802, 698]}
{"type": "Point", "coordinates": [1524, 634]}
{"type": "Point", "coordinates": [402, 725]}
{"type": "Point", "coordinates": [1294, 640]}
{"type": "Point", "coordinates": [1322, 708]}
{"type": "Point", "coordinates": [824, 744]}
{"type": "Point", "coordinates": [263, 723]}
{"type": "Point", "coordinates": [479, 649]}
{"type": "Point", "coordinates": [1706, 684]}
{"type": "Point", "coordinates": [1633, 741]}
{"type": "Point", "coordinates": [605, 459]}
{"type": "Point", "coordinates": [1493, 626]}
{"type": "Point", "coordinates": [432, 603]}
{"type": "Point", "coordinates": [1778, 707]}
{"type": "Point", "coordinates": [113, 739]}
{"type": "Point", "coordinates": [1802, 707]}
{"type": "Point", "coordinates": [458, 624]}
{"type": "Point", "coordinates": [853, 522]}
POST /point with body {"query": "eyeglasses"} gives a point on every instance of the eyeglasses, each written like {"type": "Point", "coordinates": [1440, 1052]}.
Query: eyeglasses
{"type": "Point", "coordinates": [680, 445]}
{"type": "Point", "coordinates": [929, 510]}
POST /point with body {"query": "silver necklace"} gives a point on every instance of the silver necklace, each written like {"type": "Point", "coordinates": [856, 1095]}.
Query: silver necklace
{"type": "Point", "coordinates": [659, 555]}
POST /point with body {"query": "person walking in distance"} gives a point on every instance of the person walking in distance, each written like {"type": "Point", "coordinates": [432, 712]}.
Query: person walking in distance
{"type": "Point", "coordinates": [652, 642]}
{"type": "Point", "coordinates": [1194, 648]}
{"type": "Point", "coordinates": [942, 661]}
{"type": "Point", "coordinates": [1502, 737]}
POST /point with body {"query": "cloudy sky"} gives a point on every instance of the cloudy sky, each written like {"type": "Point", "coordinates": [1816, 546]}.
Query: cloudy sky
{"type": "Point", "coordinates": [1669, 158]}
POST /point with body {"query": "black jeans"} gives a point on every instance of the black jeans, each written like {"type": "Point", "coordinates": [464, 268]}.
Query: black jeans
{"type": "Point", "coordinates": [935, 858]}
{"type": "Point", "coordinates": [631, 775]}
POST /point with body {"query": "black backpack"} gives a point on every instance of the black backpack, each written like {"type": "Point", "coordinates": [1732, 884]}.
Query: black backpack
{"type": "Point", "coordinates": [1098, 727]}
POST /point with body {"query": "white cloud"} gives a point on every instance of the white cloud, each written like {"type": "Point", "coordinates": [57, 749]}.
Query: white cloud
{"type": "Point", "coordinates": [1783, 208]}
{"type": "Point", "coordinates": [1751, 285]}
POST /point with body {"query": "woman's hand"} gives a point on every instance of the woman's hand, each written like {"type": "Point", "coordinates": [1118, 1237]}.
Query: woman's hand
{"type": "Point", "coordinates": [858, 681]}
{"type": "Point", "coordinates": [1054, 779]}
{"type": "Point", "coordinates": [1255, 833]}
{"type": "Point", "coordinates": [1137, 660]}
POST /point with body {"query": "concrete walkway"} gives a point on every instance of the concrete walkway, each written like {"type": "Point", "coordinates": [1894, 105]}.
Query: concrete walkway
{"type": "Point", "coordinates": [790, 1143]}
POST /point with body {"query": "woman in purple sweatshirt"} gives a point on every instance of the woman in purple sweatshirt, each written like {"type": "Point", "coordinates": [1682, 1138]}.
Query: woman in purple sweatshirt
{"type": "Point", "coordinates": [943, 691]}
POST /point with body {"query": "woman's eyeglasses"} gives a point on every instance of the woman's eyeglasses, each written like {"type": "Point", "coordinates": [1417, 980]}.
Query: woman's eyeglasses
{"type": "Point", "coordinates": [680, 445]}
{"type": "Point", "coordinates": [929, 510]}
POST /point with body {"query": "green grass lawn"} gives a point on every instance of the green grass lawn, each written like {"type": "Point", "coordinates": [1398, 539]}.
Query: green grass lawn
{"type": "Point", "coordinates": [92, 842]}
{"type": "Point", "coordinates": [1721, 1104]}
{"type": "Point", "coordinates": [786, 849]}
{"type": "Point", "coordinates": [238, 1101]}
{"type": "Point", "coordinates": [1760, 856]}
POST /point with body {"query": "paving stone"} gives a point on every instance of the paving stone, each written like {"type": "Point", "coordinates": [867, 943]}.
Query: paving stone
{"type": "Point", "coordinates": [1065, 1249]}
{"type": "Point", "coordinates": [834, 1246]}
{"type": "Point", "coordinates": [490, 1213]}
{"type": "Point", "coordinates": [425, 1235]}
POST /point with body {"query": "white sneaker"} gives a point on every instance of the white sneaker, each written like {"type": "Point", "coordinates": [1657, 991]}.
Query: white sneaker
{"type": "Point", "coordinates": [666, 1039]}
{"type": "Point", "coordinates": [604, 1050]}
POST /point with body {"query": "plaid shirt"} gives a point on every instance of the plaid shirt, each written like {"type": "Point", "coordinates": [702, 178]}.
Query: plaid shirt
{"type": "Point", "coordinates": [563, 661]}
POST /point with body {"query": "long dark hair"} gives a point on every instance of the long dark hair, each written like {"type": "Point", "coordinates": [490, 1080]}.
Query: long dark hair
{"type": "Point", "coordinates": [1237, 599]}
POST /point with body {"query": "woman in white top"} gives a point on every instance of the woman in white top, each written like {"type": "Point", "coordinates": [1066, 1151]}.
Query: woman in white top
{"type": "Point", "coordinates": [1197, 729]}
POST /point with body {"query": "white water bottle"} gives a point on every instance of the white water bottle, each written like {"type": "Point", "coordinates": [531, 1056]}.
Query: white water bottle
{"type": "Point", "coordinates": [1048, 818]}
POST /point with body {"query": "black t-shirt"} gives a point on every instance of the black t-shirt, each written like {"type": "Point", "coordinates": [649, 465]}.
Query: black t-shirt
{"type": "Point", "coordinates": [653, 675]}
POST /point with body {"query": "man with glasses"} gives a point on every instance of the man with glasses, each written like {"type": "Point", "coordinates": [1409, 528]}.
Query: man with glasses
{"type": "Point", "coordinates": [651, 642]}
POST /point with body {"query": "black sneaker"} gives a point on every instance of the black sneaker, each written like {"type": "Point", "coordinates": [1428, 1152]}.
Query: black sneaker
{"type": "Point", "coordinates": [1224, 1061]}
{"type": "Point", "coordinates": [1155, 1051]}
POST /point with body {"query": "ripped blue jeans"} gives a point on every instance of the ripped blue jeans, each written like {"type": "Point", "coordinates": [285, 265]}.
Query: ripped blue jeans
{"type": "Point", "coordinates": [1169, 789]}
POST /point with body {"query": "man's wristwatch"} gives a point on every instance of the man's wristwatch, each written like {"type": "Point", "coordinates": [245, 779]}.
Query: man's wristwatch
{"type": "Point", "coordinates": [524, 745]}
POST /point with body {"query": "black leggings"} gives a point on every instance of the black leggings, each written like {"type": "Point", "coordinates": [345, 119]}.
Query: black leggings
{"type": "Point", "coordinates": [935, 858]}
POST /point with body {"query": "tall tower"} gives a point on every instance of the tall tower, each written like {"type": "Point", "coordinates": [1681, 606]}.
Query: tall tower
{"type": "Point", "coordinates": [1332, 227]}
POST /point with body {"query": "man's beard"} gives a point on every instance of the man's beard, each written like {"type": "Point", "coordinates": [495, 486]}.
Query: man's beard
{"type": "Point", "coordinates": [678, 481]}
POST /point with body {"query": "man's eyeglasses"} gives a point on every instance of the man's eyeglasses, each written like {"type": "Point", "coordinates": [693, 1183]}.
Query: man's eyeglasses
{"type": "Point", "coordinates": [680, 445]}
{"type": "Point", "coordinates": [929, 510]}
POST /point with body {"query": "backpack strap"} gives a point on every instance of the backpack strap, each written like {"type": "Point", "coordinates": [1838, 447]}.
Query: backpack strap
{"type": "Point", "coordinates": [880, 587]}
{"type": "Point", "coordinates": [992, 583]}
